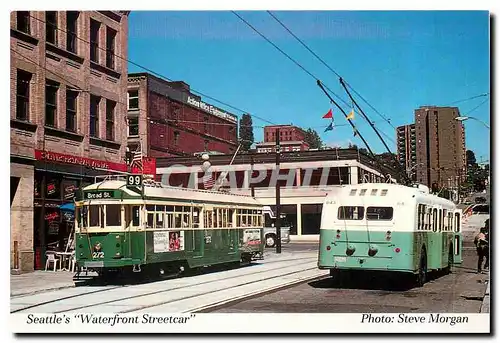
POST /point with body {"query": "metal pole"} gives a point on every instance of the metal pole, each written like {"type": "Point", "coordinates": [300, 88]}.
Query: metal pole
{"type": "Point", "coordinates": [278, 200]}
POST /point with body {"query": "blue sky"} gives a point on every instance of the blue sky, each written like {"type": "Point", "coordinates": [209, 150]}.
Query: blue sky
{"type": "Point", "coordinates": [398, 61]}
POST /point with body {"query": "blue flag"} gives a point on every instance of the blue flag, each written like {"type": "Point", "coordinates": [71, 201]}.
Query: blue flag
{"type": "Point", "coordinates": [329, 127]}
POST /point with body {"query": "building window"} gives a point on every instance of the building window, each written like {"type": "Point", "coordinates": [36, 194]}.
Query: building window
{"type": "Point", "coordinates": [23, 95]}
{"type": "Point", "coordinates": [94, 115]}
{"type": "Point", "coordinates": [176, 137]}
{"type": "Point", "coordinates": [51, 27]}
{"type": "Point", "coordinates": [23, 21]}
{"type": "Point", "coordinates": [71, 31]}
{"type": "Point", "coordinates": [51, 88]}
{"type": "Point", "coordinates": [71, 106]}
{"type": "Point", "coordinates": [133, 100]}
{"type": "Point", "coordinates": [110, 119]}
{"type": "Point", "coordinates": [110, 48]}
{"type": "Point", "coordinates": [133, 126]}
{"type": "Point", "coordinates": [94, 40]}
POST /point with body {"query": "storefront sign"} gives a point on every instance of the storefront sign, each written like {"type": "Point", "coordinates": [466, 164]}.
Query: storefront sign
{"type": "Point", "coordinates": [100, 195]}
{"type": "Point", "coordinates": [51, 216]}
{"type": "Point", "coordinates": [211, 109]}
{"type": "Point", "coordinates": [69, 192]}
{"type": "Point", "coordinates": [88, 162]}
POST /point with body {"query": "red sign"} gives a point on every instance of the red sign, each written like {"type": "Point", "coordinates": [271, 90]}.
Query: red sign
{"type": "Point", "coordinates": [89, 162]}
{"type": "Point", "coordinates": [148, 167]}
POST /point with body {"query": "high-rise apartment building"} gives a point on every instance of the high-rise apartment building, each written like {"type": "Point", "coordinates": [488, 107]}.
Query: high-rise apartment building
{"type": "Point", "coordinates": [407, 149]}
{"type": "Point", "coordinates": [440, 146]}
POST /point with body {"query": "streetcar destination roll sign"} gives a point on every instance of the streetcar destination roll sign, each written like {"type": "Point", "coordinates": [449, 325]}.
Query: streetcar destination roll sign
{"type": "Point", "coordinates": [100, 195]}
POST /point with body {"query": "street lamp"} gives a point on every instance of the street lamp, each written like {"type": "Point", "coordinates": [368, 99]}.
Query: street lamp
{"type": "Point", "coordinates": [473, 118]}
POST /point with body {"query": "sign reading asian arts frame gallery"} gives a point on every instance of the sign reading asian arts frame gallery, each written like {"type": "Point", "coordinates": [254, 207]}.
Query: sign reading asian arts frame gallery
{"type": "Point", "coordinates": [211, 109]}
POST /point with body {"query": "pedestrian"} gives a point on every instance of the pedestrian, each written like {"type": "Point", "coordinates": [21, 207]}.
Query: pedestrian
{"type": "Point", "coordinates": [481, 241]}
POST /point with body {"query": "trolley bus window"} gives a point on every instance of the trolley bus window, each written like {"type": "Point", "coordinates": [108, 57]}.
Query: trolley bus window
{"type": "Point", "coordinates": [457, 222]}
{"type": "Point", "coordinates": [379, 213]}
{"type": "Point", "coordinates": [135, 215]}
{"type": "Point", "coordinates": [94, 215]}
{"type": "Point", "coordinates": [113, 215]}
{"type": "Point", "coordinates": [434, 220]}
{"type": "Point", "coordinates": [440, 227]}
{"type": "Point", "coordinates": [351, 212]}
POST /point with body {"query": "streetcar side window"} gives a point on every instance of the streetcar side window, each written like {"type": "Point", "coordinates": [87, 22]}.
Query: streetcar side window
{"type": "Point", "coordinates": [136, 215]}
{"type": "Point", "coordinates": [351, 213]}
{"type": "Point", "coordinates": [160, 216]}
{"type": "Point", "coordinates": [440, 227]}
{"type": "Point", "coordinates": [150, 216]}
{"type": "Point", "coordinates": [169, 216]}
{"type": "Point", "coordinates": [420, 217]}
{"type": "Point", "coordinates": [230, 218]}
{"type": "Point", "coordinates": [94, 216]}
{"type": "Point", "coordinates": [196, 217]}
{"type": "Point", "coordinates": [113, 215]}
{"type": "Point", "coordinates": [379, 213]}
{"type": "Point", "coordinates": [428, 223]}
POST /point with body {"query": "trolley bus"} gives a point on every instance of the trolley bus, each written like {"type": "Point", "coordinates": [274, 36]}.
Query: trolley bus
{"type": "Point", "coordinates": [389, 227]}
{"type": "Point", "coordinates": [153, 229]}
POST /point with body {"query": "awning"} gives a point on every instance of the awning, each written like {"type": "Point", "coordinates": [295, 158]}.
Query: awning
{"type": "Point", "coordinates": [70, 207]}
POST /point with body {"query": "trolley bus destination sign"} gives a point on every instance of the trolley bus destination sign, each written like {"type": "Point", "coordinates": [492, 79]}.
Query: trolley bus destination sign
{"type": "Point", "coordinates": [100, 195]}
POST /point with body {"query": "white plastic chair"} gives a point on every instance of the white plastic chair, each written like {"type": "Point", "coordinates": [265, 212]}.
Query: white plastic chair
{"type": "Point", "coordinates": [51, 258]}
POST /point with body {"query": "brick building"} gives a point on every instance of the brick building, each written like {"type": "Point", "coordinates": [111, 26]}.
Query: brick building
{"type": "Point", "coordinates": [407, 149]}
{"type": "Point", "coordinates": [441, 157]}
{"type": "Point", "coordinates": [68, 94]}
{"type": "Point", "coordinates": [168, 120]}
{"type": "Point", "coordinates": [291, 139]}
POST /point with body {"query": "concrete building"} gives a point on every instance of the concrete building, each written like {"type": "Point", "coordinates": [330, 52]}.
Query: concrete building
{"type": "Point", "coordinates": [291, 139]}
{"type": "Point", "coordinates": [305, 178]}
{"type": "Point", "coordinates": [441, 153]}
{"type": "Point", "coordinates": [168, 120]}
{"type": "Point", "coordinates": [407, 149]}
{"type": "Point", "coordinates": [68, 94]}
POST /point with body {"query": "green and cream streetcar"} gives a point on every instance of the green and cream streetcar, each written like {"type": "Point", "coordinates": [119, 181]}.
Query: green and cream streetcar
{"type": "Point", "coordinates": [153, 229]}
{"type": "Point", "coordinates": [389, 227]}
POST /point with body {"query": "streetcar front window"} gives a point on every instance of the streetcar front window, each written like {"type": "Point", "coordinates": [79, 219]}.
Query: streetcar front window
{"type": "Point", "coordinates": [113, 215]}
{"type": "Point", "coordinates": [135, 215]}
{"type": "Point", "coordinates": [94, 216]}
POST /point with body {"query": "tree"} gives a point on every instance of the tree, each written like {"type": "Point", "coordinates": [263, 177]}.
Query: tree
{"type": "Point", "coordinates": [313, 139]}
{"type": "Point", "coordinates": [246, 138]}
{"type": "Point", "coordinates": [471, 158]}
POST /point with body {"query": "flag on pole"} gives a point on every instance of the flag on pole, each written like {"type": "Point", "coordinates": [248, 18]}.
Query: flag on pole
{"type": "Point", "coordinates": [208, 180]}
{"type": "Point", "coordinates": [328, 115]}
{"type": "Point", "coordinates": [329, 127]}
{"type": "Point", "coordinates": [137, 159]}
{"type": "Point", "coordinates": [351, 114]}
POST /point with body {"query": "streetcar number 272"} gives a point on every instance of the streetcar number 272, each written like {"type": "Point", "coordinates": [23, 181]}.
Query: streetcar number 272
{"type": "Point", "coordinates": [98, 254]}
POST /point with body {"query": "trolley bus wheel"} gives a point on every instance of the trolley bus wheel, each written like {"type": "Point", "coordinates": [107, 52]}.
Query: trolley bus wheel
{"type": "Point", "coordinates": [422, 269]}
{"type": "Point", "coordinates": [270, 240]}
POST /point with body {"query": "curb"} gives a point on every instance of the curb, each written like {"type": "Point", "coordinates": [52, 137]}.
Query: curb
{"type": "Point", "coordinates": [485, 306]}
{"type": "Point", "coordinates": [229, 302]}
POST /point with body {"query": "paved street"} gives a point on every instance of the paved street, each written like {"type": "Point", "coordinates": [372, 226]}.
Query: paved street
{"type": "Point", "coordinates": [461, 291]}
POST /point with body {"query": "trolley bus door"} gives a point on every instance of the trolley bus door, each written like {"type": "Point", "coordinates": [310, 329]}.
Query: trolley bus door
{"type": "Point", "coordinates": [457, 237]}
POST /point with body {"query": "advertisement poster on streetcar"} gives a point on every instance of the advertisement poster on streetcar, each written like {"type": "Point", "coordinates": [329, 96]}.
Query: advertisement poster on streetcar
{"type": "Point", "coordinates": [251, 237]}
{"type": "Point", "coordinates": [165, 241]}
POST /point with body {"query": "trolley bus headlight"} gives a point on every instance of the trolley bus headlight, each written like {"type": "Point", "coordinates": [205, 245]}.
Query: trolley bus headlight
{"type": "Point", "coordinates": [350, 250]}
{"type": "Point", "coordinates": [372, 250]}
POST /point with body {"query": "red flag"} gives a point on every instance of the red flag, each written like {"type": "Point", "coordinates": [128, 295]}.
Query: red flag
{"type": "Point", "coordinates": [329, 115]}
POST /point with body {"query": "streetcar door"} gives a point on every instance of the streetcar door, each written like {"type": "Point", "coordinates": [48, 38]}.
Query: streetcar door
{"type": "Point", "coordinates": [457, 237]}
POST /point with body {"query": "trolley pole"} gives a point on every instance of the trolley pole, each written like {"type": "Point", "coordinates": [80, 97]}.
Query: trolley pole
{"type": "Point", "coordinates": [278, 195]}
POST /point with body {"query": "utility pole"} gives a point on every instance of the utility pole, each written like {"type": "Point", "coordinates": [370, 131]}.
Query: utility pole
{"type": "Point", "coordinates": [278, 199]}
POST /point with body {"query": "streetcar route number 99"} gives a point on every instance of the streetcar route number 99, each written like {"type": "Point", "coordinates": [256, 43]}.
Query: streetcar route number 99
{"type": "Point", "coordinates": [134, 180]}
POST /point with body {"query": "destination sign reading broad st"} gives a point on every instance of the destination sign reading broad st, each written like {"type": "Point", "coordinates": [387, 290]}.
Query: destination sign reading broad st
{"type": "Point", "coordinates": [100, 195]}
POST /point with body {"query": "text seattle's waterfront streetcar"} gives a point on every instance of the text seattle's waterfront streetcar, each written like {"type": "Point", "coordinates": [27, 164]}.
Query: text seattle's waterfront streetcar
{"type": "Point", "coordinates": [163, 230]}
{"type": "Point", "coordinates": [380, 226]}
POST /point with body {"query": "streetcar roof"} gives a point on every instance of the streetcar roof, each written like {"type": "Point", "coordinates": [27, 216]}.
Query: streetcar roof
{"type": "Point", "coordinates": [170, 192]}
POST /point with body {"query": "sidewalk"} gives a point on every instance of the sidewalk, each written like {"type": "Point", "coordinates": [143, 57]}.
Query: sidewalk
{"type": "Point", "coordinates": [39, 281]}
